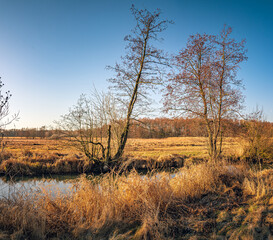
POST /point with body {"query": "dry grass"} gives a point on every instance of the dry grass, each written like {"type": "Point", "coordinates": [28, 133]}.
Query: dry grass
{"type": "Point", "coordinates": [199, 202]}
{"type": "Point", "coordinates": [46, 156]}
{"type": "Point", "coordinates": [189, 146]}
{"type": "Point", "coordinates": [40, 156]}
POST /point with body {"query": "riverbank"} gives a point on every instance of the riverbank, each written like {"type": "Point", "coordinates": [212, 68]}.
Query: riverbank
{"type": "Point", "coordinates": [199, 202]}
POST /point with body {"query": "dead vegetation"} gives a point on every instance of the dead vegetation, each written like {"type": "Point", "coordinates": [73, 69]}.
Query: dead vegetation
{"type": "Point", "coordinates": [202, 200]}
{"type": "Point", "coordinates": [199, 202]}
{"type": "Point", "coordinates": [33, 157]}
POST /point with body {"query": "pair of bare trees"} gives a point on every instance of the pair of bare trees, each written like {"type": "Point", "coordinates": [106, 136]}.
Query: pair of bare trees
{"type": "Point", "coordinates": [202, 84]}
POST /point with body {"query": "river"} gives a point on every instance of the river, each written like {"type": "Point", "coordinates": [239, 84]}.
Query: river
{"type": "Point", "coordinates": [53, 184]}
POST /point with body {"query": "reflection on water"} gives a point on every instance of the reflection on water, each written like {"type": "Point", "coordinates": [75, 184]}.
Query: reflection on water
{"type": "Point", "coordinates": [53, 184]}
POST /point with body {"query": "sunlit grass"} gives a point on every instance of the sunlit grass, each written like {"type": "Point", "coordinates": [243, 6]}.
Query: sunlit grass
{"type": "Point", "coordinates": [47, 156]}
{"type": "Point", "coordinates": [203, 200]}
{"type": "Point", "coordinates": [188, 146]}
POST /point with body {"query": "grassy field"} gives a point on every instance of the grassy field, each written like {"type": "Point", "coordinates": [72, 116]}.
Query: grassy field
{"type": "Point", "coordinates": [45, 156]}
{"type": "Point", "coordinates": [188, 146]}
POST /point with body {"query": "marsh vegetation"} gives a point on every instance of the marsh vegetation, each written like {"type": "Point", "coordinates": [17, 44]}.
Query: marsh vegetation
{"type": "Point", "coordinates": [199, 202]}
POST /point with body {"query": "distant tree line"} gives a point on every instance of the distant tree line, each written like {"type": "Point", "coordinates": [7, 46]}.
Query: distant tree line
{"type": "Point", "coordinates": [188, 127]}
{"type": "Point", "coordinates": [151, 128]}
{"type": "Point", "coordinates": [33, 133]}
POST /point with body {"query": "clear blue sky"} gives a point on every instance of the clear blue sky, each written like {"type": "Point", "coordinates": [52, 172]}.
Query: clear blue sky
{"type": "Point", "coordinates": [51, 51]}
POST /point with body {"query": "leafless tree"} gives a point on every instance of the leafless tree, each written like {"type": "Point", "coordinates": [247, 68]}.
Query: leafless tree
{"type": "Point", "coordinates": [4, 108]}
{"type": "Point", "coordinates": [4, 113]}
{"type": "Point", "coordinates": [204, 83]}
{"type": "Point", "coordinates": [92, 125]}
{"type": "Point", "coordinates": [140, 69]}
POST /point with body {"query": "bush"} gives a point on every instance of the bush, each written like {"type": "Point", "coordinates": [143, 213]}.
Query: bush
{"type": "Point", "coordinates": [257, 139]}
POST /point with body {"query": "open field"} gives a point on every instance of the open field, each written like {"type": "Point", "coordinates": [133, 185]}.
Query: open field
{"type": "Point", "coordinates": [44, 156]}
{"type": "Point", "coordinates": [189, 146]}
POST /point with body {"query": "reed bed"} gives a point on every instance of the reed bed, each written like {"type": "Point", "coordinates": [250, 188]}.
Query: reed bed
{"type": "Point", "coordinates": [206, 201]}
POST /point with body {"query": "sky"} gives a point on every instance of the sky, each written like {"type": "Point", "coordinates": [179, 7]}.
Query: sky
{"type": "Point", "coordinates": [52, 51]}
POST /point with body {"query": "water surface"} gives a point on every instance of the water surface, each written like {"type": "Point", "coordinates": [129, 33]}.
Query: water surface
{"type": "Point", "coordinates": [54, 184]}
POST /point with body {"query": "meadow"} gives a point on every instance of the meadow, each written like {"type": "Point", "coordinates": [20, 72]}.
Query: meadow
{"type": "Point", "coordinates": [23, 156]}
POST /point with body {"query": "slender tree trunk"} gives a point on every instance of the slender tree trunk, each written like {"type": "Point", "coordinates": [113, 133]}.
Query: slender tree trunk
{"type": "Point", "coordinates": [108, 152]}
{"type": "Point", "coordinates": [124, 135]}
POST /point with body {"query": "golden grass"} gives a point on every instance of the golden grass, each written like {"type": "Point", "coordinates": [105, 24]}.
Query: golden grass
{"type": "Point", "coordinates": [47, 156]}
{"type": "Point", "coordinates": [189, 146]}
{"type": "Point", "coordinates": [204, 201]}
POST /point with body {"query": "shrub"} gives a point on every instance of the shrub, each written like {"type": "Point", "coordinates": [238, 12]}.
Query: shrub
{"type": "Point", "coordinates": [257, 139]}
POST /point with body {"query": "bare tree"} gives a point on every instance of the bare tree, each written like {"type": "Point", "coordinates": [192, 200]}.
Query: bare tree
{"type": "Point", "coordinates": [140, 68]}
{"type": "Point", "coordinates": [4, 113]}
{"type": "Point", "coordinates": [204, 83]}
{"type": "Point", "coordinates": [4, 108]}
{"type": "Point", "coordinates": [92, 126]}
